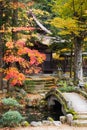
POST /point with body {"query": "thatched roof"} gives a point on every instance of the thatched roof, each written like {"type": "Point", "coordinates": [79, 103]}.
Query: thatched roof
{"type": "Point", "coordinates": [38, 22]}
{"type": "Point", "coordinates": [47, 40]}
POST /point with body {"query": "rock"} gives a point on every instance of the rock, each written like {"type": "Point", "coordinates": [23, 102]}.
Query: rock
{"type": "Point", "coordinates": [25, 123]}
{"type": "Point", "coordinates": [62, 119]}
{"type": "Point", "coordinates": [50, 119]}
{"type": "Point", "coordinates": [23, 92]}
{"type": "Point", "coordinates": [35, 124]}
{"type": "Point", "coordinates": [46, 122]}
{"type": "Point", "coordinates": [51, 122]}
{"type": "Point", "coordinates": [56, 123]}
{"type": "Point", "coordinates": [42, 94]}
{"type": "Point", "coordinates": [69, 118]}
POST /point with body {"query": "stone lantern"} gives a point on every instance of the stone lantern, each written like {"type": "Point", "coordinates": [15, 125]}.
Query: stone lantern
{"type": "Point", "coordinates": [59, 72]}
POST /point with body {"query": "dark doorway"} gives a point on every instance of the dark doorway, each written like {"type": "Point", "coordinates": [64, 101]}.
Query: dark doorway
{"type": "Point", "coordinates": [55, 111]}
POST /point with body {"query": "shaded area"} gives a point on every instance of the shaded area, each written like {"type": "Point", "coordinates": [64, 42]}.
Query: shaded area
{"type": "Point", "coordinates": [55, 111]}
{"type": "Point", "coordinates": [39, 114]}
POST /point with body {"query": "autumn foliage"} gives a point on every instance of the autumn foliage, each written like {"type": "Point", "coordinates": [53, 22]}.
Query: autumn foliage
{"type": "Point", "coordinates": [21, 60]}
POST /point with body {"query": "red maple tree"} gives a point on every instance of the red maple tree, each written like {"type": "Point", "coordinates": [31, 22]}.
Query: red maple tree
{"type": "Point", "coordinates": [16, 56]}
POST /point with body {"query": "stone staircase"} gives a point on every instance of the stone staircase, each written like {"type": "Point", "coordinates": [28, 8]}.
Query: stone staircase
{"type": "Point", "coordinates": [81, 120]}
{"type": "Point", "coordinates": [40, 84]}
{"type": "Point", "coordinates": [49, 85]}
{"type": "Point", "coordinates": [79, 105]}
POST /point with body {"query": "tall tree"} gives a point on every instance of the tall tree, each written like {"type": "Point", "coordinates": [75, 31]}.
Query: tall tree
{"type": "Point", "coordinates": [19, 58]}
{"type": "Point", "coordinates": [14, 18]}
{"type": "Point", "coordinates": [71, 20]}
{"type": "Point", "coordinates": [1, 43]}
{"type": "Point", "coordinates": [5, 17]}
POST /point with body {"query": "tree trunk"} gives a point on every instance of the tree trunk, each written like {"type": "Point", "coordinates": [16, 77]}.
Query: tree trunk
{"type": "Point", "coordinates": [1, 62]}
{"type": "Point", "coordinates": [1, 44]}
{"type": "Point", "coordinates": [78, 69]}
{"type": "Point", "coordinates": [14, 34]}
{"type": "Point", "coordinates": [14, 21]}
{"type": "Point", "coordinates": [71, 61]}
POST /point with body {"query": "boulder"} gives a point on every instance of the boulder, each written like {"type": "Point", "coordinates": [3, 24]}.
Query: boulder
{"type": "Point", "coordinates": [56, 123]}
{"type": "Point", "coordinates": [46, 122]}
{"type": "Point", "coordinates": [35, 124]}
{"type": "Point", "coordinates": [69, 118]}
{"type": "Point", "coordinates": [62, 119]}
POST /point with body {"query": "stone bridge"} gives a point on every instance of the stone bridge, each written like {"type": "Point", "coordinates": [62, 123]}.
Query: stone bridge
{"type": "Point", "coordinates": [70, 103]}
{"type": "Point", "coordinates": [55, 95]}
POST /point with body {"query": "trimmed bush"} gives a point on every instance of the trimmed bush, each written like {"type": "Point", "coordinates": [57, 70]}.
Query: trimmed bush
{"type": "Point", "coordinates": [10, 102]}
{"type": "Point", "coordinates": [11, 118]}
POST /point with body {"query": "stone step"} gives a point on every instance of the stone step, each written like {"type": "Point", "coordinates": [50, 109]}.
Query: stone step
{"type": "Point", "coordinates": [80, 123]}
{"type": "Point", "coordinates": [82, 117]}
{"type": "Point", "coordinates": [45, 85]}
{"type": "Point", "coordinates": [49, 85]}
{"type": "Point", "coordinates": [37, 82]}
{"type": "Point", "coordinates": [82, 113]}
{"type": "Point", "coordinates": [49, 82]}
{"type": "Point", "coordinates": [42, 80]}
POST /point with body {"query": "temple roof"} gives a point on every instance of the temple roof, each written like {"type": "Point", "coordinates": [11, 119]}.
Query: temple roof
{"type": "Point", "coordinates": [38, 23]}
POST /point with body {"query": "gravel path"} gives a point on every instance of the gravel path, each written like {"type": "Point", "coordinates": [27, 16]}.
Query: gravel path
{"type": "Point", "coordinates": [62, 127]}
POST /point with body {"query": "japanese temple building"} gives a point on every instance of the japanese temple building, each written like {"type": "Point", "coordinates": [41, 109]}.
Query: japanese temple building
{"type": "Point", "coordinates": [51, 65]}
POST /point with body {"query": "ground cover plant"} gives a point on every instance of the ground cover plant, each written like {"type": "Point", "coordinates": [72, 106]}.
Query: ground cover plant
{"type": "Point", "coordinates": [11, 118]}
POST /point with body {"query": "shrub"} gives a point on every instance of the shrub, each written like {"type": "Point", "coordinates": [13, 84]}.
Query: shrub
{"type": "Point", "coordinates": [71, 111]}
{"type": "Point", "coordinates": [11, 118]}
{"type": "Point", "coordinates": [29, 85]}
{"type": "Point", "coordinates": [85, 86]}
{"type": "Point", "coordinates": [67, 89]}
{"type": "Point", "coordinates": [10, 102]}
{"type": "Point", "coordinates": [62, 83]}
